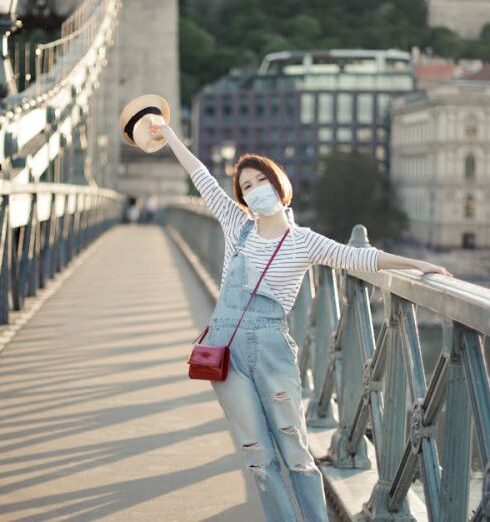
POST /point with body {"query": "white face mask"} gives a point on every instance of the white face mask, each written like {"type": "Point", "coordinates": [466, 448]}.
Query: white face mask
{"type": "Point", "coordinates": [263, 200]}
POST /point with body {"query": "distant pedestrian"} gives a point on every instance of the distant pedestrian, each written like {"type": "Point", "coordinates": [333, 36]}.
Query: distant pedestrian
{"type": "Point", "coordinates": [133, 212]}
{"type": "Point", "coordinates": [151, 206]}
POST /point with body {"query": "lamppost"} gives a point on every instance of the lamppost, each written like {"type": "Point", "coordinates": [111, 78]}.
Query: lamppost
{"type": "Point", "coordinates": [222, 158]}
{"type": "Point", "coordinates": [8, 22]}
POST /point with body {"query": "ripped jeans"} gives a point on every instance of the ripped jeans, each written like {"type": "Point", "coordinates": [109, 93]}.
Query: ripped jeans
{"type": "Point", "coordinates": [261, 396]}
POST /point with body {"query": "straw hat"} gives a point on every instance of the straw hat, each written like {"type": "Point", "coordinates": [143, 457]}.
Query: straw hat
{"type": "Point", "coordinates": [136, 118]}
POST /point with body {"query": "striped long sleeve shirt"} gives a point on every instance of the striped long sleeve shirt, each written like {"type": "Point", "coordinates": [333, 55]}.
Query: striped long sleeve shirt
{"type": "Point", "coordinates": [301, 248]}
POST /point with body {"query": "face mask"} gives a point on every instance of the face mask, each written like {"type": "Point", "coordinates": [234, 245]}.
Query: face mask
{"type": "Point", "coordinates": [263, 200]}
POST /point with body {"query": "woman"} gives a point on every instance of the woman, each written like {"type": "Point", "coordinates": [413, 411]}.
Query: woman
{"type": "Point", "coordinates": [261, 396]}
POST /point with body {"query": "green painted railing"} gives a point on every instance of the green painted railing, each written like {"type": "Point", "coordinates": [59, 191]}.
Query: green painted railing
{"type": "Point", "coordinates": [55, 150]}
{"type": "Point", "coordinates": [373, 389]}
{"type": "Point", "coordinates": [42, 227]}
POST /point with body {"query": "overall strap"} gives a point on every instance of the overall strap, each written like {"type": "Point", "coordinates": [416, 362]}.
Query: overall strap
{"type": "Point", "coordinates": [258, 283]}
{"type": "Point", "coordinates": [247, 227]}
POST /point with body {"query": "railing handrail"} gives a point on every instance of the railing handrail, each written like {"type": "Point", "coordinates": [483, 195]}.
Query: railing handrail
{"type": "Point", "coordinates": [9, 187]}
{"type": "Point", "coordinates": [458, 300]}
{"type": "Point", "coordinates": [64, 39]}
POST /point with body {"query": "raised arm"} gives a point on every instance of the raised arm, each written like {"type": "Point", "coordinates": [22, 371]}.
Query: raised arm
{"type": "Point", "coordinates": [182, 153]}
{"type": "Point", "coordinates": [227, 211]}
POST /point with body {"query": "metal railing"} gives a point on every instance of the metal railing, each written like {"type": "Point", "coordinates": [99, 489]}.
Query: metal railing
{"type": "Point", "coordinates": [56, 137]}
{"type": "Point", "coordinates": [39, 68]}
{"type": "Point", "coordinates": [358, 382]}
{"type": "Point", "coordinates": [42, 227]}
{"type": "Point", "coordinates": [93, 22]}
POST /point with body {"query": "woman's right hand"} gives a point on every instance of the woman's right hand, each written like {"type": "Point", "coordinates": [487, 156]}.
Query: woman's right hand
{"type": "Point", "coordinates": [158, 130]}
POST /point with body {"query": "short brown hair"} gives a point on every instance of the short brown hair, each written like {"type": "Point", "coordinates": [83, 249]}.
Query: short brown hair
{"type": "Point", "coordinates": [274, 172]}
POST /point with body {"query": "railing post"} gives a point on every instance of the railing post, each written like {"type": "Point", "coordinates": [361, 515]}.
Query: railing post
{"type": "Point", "coordinates": [351, 373]}
{"type": "Point", "coordinates": [299, 323]}
{"type": "Point", "coordinates": [5, 233]}
{"type": "Point", "coordinates": [33, 276]}
{"type": "Point", "coordinates": [394, 425]}
{"type": "Point", "coordinates": [457, 436]}
{"type": "Point", "coordinates": [325, 317]}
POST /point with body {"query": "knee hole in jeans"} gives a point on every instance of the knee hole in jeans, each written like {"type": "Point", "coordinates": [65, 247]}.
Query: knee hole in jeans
{"type": "Point", "coordinates": [281, 396]}
{"type": "Point", "coordinates": [289, 430]}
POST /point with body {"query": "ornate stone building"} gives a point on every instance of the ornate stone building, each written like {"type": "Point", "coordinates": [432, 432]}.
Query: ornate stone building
{"type": "Point", "coordinates": [441, 163]}
{"type": "Point", "coordinates": [465, 17]}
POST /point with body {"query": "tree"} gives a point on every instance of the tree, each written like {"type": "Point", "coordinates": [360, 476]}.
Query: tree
{"type": "Point", "coordinates": [485, 34]}
{"type": "Point", "coordinates": [351, 189]}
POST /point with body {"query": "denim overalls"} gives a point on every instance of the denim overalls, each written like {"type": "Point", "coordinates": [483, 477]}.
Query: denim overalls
{"type": "Point", "coordinates": [261, 396]}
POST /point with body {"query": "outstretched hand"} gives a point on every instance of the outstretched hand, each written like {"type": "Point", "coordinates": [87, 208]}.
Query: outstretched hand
{"type": "Point", "coordinates": [157, 130]}
{"type": "Point", "coordinates": [429, 268]}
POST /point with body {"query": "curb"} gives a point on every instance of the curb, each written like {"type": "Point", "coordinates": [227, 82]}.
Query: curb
{"type": "Point", "coordinates": [204, 278]}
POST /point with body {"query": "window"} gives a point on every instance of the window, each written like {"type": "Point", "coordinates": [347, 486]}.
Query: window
{"type": "Point", "coordinates": [274, 108]}
{"type": "Point", "coordinates": [471, 127]}
{"type": "Point", "coordinates": [364, 108]}
{"type": "Point", "coordinates": [344, 134]}
{"type": "Point", "coordinates": [325, 108]}
{"type": "Point", "coordinates": [468, 240]}
{"type": "Point", "coordinates": [226, 111]}
{"type": "Point", "coordinates": [469, 167]}
{"type": "Point", "coordinates": [344, 108]}
{"type": "Point", "coordinates": [469, 206]}
{"type": "Point", "coordinates": [381, 135]}
{"type": "Point", "coordinates": [307, 134]}
{"type": "Point", "coordinates": [323, 150]}
{"type": "Point", "coordinates": [308, 151]}
{"type": "Point", "coordinates": [259, 108]}
{"type": "Point", "coordinates": [380, 153]}
{"type": "Point", "coordinates": [364, 134]}
{"type": "Point", "coordinates": [364, 149]}
{"type": "Point", "coordinates": [290, 109]}
{"type": "Point", "coordinates": [344, 148]}
{"type": "Point", "coordinates": [383, 106]}
{"type": "Point", "coordinates": [274, 135]}
{"type": "Point", "coordinates": [307, 108]}
{"type": "Point", "coordinates": [209, 113]}
{"type": "Point", "coordinates": [325, 134]}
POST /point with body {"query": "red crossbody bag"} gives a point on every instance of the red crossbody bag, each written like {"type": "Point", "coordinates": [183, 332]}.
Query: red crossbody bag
{"type": "Point", "coordinates": [212, 362]}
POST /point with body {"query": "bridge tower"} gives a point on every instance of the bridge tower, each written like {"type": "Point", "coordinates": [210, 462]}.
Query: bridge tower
{"type": "Point", "coordinates": [149, 63]}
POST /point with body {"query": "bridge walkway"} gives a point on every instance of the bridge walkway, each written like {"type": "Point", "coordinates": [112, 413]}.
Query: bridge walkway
{"type": "Point", "coordinates": [99, 420]}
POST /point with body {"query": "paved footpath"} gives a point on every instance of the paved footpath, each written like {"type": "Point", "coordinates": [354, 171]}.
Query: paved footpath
{"type": "Point", "coordinates": [98, 418]}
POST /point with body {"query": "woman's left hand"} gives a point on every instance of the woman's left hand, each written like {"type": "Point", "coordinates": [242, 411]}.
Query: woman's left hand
{"type": "Point", "coordinates": [426, 267]}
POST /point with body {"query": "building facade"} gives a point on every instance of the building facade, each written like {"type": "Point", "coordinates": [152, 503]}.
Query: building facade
{"type": "Point", "coordinates": [465, 17]}
{"type": "Point", "coordinates": [299, 106]}
{"type": "Point", "coordinates": [441, 164]}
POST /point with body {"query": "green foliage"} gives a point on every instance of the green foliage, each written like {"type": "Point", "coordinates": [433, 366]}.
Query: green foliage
{"type": "Point", "coordinates": [485, 34]}
{"type": "Point", "coordinates": [216, 35]}
{"type": "Point", "coordinates": [351, 189]}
